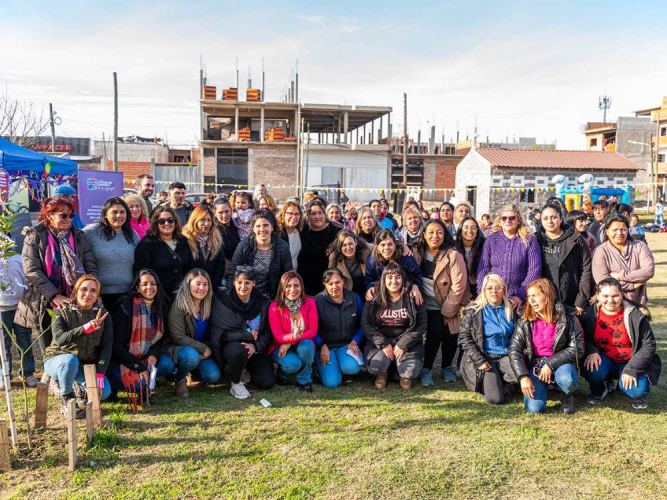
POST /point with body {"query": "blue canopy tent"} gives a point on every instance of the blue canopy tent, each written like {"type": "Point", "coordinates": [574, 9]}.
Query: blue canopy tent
{"type": "Point", "coordinates": [15, 158]}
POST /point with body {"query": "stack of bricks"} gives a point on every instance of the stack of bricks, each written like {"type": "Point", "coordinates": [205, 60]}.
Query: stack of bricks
{"type": "Point", "coordinates": [231, 94]}
{"type": "Point", "coordinates": [244, 135]}
{"type": "Point", "coordinates": [253, 95]}
{"type": "Point", "coordinates": [209, 93]}
{"type": "Point", "coordinates": [275, 134]}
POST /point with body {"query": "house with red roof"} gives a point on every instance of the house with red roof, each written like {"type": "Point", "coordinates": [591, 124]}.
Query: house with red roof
{"type": "Point", "coordinates": [489, 178]}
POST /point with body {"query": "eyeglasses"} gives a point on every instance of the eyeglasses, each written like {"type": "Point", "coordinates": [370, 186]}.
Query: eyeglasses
{"type": "Point", "coordinates": [508, 218]}
{"type": "Point", "coordinates": [494, 289]}
{"type": "Point", "coordinates": [66, 216]}
{"type": "Point", "coordinates": [168, 220]}
{"type": "Point", "coordinates": [292, 214]}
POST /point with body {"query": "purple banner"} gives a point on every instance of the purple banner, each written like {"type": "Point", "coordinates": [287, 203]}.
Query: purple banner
{"type": "Point", "coordinates": [96, 187]}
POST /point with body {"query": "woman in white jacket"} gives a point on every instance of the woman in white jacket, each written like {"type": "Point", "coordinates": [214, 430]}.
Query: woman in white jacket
{"type": "Point", "coordinates": [12, 285]}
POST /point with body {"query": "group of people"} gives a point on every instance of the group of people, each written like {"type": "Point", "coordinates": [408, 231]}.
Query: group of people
{"type": "Point", "coordinates": [271, 294]}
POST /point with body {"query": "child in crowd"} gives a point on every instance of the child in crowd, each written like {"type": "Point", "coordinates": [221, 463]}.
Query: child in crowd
{"type": "Point", "coordinates": [244, 209]}
{"type": "Point", "coordinates": [636, 230]}
{"type": "Point", "coordinates": [486, 225]}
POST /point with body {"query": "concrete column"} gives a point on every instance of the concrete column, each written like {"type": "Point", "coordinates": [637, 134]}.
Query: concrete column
{"type": "Point", "coordinates": [236, 122]}
{"type": "Point", "coordinates": [261, 125]}
{"type": "Point", "coordinates": [346, 126]}
{"type": "Point", "coordinates": [339, 127]}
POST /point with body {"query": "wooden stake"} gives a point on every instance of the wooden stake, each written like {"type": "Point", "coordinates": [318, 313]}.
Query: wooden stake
{"type": "Point", "coordinates": [71, 433]}
{"type": "Point", "coordinates": [5, 453]}
{"type": "Point", "coordinates": [90, 428]}
{"type": "Point", "coordinates": [41, 405]}
{"type": "Point", "coordinates": [93, 393]}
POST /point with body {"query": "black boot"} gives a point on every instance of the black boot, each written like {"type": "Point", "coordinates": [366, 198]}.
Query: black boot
{"type": "Point", "coordinates": [567, 404]}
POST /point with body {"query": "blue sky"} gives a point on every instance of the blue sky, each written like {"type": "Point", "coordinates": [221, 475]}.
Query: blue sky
{"type": "Point", "coordinates": [514, 68]}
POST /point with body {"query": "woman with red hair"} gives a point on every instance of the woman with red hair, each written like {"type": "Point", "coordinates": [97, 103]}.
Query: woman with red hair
{"type": "Point", "coordinates": [55, 255]}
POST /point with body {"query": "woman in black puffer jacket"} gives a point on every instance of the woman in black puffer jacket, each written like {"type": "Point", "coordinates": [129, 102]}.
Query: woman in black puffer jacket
{"type": "Point", "coordinates": [545, 347]}
{"type": "Point", "coordinates": [264, 252]}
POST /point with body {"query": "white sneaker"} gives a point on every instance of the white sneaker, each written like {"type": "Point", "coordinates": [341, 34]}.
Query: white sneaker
{"type": "Point", "coordinates": [54, 387]}
{"type": "Point", "coordinates": [239, 391]}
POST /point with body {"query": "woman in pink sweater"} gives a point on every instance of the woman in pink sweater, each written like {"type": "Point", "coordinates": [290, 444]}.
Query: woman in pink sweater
{"type": "Point", "coordinates": [624, 259]}
{"type": "Point", "coordinates": [293, 321]}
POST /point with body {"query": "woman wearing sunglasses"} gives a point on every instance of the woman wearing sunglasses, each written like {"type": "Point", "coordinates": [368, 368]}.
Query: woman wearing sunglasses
{"type": "Point", "coordinates": [55, 255]}
{"type": "Point", "coordinates": [164, 249]}
{"type": "Point", "coordinates": [486, 330]}
{"type": "Point", "coordinates": [545, 348]}
{"type": "Point", "coordinates": [511, 252]}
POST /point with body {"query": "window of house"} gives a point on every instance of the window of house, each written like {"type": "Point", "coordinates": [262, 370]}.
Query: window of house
{"type": "Point", "coordinates": [528, 196]}
{"type": "Point", "coordinates": [663, 131]}
{"type": "Point", "coordinates": [661, 158]}
{"type": "Point", "coordinates": [594, 142]}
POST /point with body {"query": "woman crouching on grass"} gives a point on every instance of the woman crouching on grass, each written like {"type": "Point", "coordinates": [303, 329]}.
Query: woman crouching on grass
{"type": "Point", "coordinates": [293, 320]}
{"type": "Point", "coordinates": [139, 326]}
{"type": "Point", "coordinates": [486, 330]}
{"type": "Point", "coordinates": [546, 347]}
{"type": "Point", "coordinates": [394, 326]}
{"type": "Point", "coordinates": [339, 333]}
{"type": "Point", "coordinates": [82, 334]}
{"type": "Point", "coordinates": [620, 344]}
{"type": "Point", "coordinates": [187, 341]}
{"type": "Point", "coordinates": [240, 334]}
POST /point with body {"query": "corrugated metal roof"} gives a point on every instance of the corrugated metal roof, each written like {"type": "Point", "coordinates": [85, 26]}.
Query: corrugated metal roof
{"type": "Point", "coordinates": [557, 159]}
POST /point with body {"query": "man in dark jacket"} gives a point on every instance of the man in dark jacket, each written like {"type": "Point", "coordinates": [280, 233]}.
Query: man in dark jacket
{"type": "Point", "coordinates": [600, 211]}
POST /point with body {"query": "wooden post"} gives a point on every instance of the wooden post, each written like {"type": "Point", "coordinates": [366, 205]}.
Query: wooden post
{"type": "Point", "coordinates": [41, 404]}
{"type": "Point", "coordinates": [90, 428]}
{"type": "Point", "coordinates": [5, 454]}
{"type": "Point", "coordinates": [71, 433]}
{"type": "Point", "coordinates": [93, 393]}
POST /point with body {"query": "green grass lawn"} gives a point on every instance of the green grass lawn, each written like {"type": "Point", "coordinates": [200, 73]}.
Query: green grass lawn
{"type": "Point", "coordinates": [355, 442]}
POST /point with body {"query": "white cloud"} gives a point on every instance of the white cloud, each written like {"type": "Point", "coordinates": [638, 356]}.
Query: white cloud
{"type": "Point", "coordinates": [321, 20]}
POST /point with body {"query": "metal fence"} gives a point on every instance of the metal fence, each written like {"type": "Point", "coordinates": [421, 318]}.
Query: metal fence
{"type": "Point", "coordinates": [190, 176]}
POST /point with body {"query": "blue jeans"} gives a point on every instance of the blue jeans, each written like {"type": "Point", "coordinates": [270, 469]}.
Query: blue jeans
{"type": "Point", "coordinates": [611, 370]}
{"type": "Point", "coordinates": [567, 379]}
{"type": "Point", "coordinates": [659, 219]}
{"type": "Point", "coordinates": [190, 362]}
{"type": "Point", "coordinates": [65, 369]}
{"type": "Point", "coordinates": [23, 337]}
{"type": "Point", "coordinates": [340, 362]}
{"type": "Point", "coordinates": [299, 360]}
{"type": "Point", "coordinates": [165, 366]}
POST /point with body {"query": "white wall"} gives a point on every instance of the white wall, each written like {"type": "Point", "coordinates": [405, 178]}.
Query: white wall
{"type": "Point", "coordinates": [360, 169]}
{"type": "Point", "coordinates": [474, 171]}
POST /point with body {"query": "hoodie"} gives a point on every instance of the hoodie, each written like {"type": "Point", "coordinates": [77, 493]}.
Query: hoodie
{"type": "Point", "coordinates": [16, 283]}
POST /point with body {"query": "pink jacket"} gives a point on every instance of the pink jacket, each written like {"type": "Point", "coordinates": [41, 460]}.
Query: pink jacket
{"type": "Point", "coordinates": [141, 227]}
{"type": "Point", "coordinates": [281, 324]}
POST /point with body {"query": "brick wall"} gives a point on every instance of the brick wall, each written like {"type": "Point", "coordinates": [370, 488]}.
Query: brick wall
{"type": "Point", "coordinates": [131, 169]}
{"type": "Point", "coordinates": [274, 166]}
{"type": "Point", "coordinates": [445, 173]}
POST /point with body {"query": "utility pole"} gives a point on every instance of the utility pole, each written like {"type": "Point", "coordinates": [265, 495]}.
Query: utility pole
{"type": "Point", "coordinates": [53, 129]}
{"type": "Point", "coordinates": [115, 123]}
{"type": "Point", "coordinates": [405, 140]}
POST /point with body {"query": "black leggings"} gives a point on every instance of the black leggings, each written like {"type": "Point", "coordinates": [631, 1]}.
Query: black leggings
{"type": "Point", "coordinates": [260, 366]}
{"type": "Point", "coordinates": [437, 335]}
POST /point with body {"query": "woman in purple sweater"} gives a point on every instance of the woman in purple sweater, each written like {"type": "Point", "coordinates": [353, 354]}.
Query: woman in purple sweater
{"type": "Point", "coordinates": [512, 252]}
